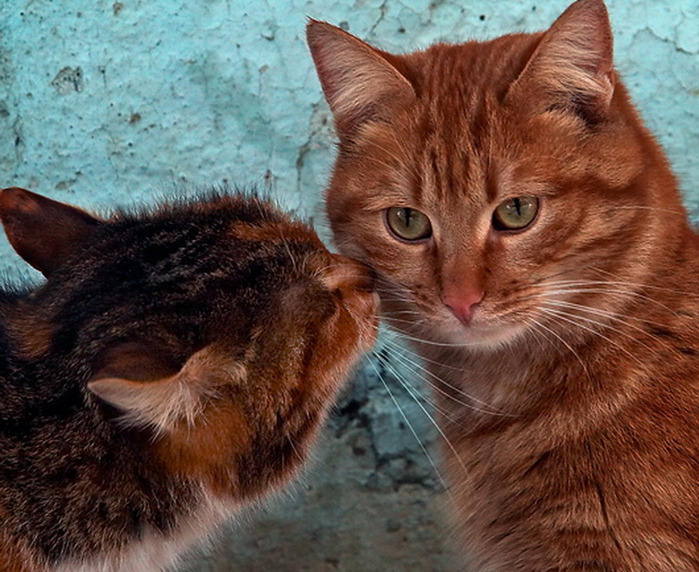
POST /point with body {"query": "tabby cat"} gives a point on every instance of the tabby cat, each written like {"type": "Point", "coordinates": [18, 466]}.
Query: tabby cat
{"type": "Point", "coordinates": [174, 367]}
{"type": "Point", "coordinates": [530, 241]}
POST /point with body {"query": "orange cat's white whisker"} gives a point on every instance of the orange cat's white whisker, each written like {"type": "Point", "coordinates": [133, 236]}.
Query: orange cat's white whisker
{"type": "Point", "coordinates": [412, 429]}
{"type": "Point", "coordinates": [634, 285]}
{"type": "Point", "coordinates": [538, 324]}
{"type": "Point", "coordinates": [433, 404]}
{"type": "Point", "coordinates": [613, 292]}
{"type": "Point", "coordinates": [415, 396]}
{"type": "Point", "coordinates": [626, 320]}
{"type": "Point", "coordinates": [571, 319]}
{"type": "Point", "coordinates": [680, 213]}
{"type": "Point", "coordinates": [481, 407]}
{"type": "Point", "coordinates": [441, 344]}
{"type": "Point", "coordinates": [404, 350]}
{"type": "Point", "coordinates": [615, 318]}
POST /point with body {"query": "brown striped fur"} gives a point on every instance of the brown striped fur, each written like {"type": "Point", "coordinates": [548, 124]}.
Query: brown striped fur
{"type": "Point", "coordinates": [175, 366]}
{"type": "Point", "coordinates": [570, 393]}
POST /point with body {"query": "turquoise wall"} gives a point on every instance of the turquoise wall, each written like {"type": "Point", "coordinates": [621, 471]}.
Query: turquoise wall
{"type": "Point", "coordinates": [105, 102]}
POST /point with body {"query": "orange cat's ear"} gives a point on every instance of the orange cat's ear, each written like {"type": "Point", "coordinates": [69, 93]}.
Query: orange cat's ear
{"type": "Point", "coordinates": [135, 380]}
{"type": "Point", "coordinates": [359, 82]}
{"type": "Point", "coordinates": [42, 231]}
{"type": "Point", "coordinates": [572, 67]}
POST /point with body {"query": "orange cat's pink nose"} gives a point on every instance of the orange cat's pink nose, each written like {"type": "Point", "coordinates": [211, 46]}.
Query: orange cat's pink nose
{"type": "Point", "coordinates": [462, 306]}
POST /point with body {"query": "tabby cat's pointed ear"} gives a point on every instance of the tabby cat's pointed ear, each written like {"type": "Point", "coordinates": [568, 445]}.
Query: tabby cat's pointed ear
{"type": "Point", "coordinates": [572, 67]}
{"type": "Point", "coordinates": [135, 380]}
{"type": "Point", "coordinates": [42, 231]}
{"type": "Point", "coordinates": [359, 82]}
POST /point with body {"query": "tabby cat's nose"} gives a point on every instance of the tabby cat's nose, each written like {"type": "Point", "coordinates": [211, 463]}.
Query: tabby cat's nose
{"type": "Point", "coordinates": [463, 306]}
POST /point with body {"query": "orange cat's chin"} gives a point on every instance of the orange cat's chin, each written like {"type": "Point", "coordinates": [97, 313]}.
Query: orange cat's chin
{"type": "Point", "coordinates": [482, 335]}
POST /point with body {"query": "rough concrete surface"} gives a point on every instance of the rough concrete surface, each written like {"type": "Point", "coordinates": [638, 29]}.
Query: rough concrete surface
{"type": "Point", "coordinates": [114, 102]}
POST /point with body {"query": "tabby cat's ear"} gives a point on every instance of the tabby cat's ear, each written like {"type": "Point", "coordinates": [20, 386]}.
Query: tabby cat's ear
{"type": "Point", "coordinates": [42, 231]}
{"type": "Point", "coordinates": [151, 393]}
{"type": "Point", "coordinates": [572, 67]}
{"type": "Point", "coordinates": [360, 82]}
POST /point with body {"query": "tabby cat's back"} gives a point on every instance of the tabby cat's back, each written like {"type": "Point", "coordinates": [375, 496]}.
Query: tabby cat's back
{"type": "Point", "coordinates": [175, 366]}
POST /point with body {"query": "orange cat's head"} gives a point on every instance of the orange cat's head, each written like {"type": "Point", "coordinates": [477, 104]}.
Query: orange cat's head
{"type": "Point", "coordinates": [491, 184]}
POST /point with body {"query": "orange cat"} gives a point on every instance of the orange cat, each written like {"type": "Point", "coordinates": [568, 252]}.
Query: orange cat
{"type": "Point", "coordinates": [530, 241]}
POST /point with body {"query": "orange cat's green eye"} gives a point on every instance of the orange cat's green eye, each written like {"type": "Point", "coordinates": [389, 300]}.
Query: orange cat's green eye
{"type": "Point", "coordinates": [408, 224]}
{"type": "Point", "coordinates": [516, 213]}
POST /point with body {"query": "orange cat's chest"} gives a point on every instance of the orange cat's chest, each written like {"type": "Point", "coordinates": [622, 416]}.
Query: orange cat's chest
{"type": "Point", "coordinates": [604, 467]}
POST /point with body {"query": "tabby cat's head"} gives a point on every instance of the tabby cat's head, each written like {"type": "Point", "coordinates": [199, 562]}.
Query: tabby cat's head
{"type": "Point", "coordinates": [221, 326]}
{"type": "Point", "coordinates": [483, 179]}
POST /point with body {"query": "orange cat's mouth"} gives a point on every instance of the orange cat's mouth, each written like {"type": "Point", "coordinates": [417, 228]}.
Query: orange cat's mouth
{"type": "Point", "coordinates": [427, 324]}
{"type": "Point", "coordinates": [483, 334]}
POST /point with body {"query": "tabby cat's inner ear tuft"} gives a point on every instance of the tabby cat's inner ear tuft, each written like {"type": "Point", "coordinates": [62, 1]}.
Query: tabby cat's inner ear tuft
{"type": "Point", "coordinates": [359, 82]}
{"type": "Point", "coordinates": [44, 232]}
{"type": "Point", "coordinates": [163, 403]}
{"type": "Point", "coordinates": [573, 66]}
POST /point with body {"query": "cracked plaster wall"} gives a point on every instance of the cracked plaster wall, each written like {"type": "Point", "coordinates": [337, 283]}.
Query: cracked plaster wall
{"type": "Point", "coordinates": [105, 103]}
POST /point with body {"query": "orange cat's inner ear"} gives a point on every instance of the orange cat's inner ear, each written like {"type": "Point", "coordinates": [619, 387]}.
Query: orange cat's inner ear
{"type": "Point", "coordinates": [151, 393]}
{"type": "Point", "coordinates": [359, 82]}
{"type": "Point", "coordinates": [42, 231]}
{"type": "Point", "coordinates": [572, 67]}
